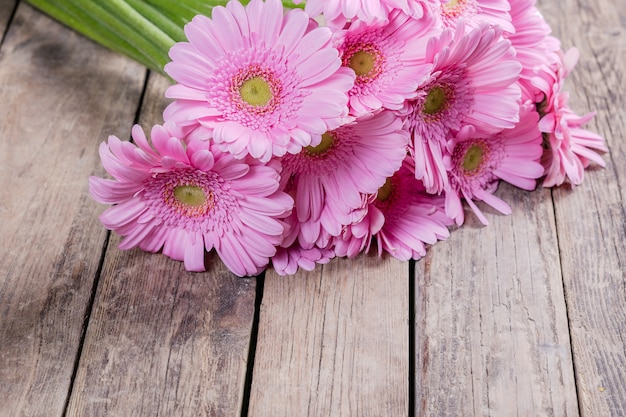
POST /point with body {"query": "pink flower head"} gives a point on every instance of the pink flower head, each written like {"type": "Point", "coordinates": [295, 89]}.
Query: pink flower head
{"type": "Point", "coordinates": [401, 216]}
{"type": "Point", "coordinates": [188, 198]}
{"type": "Point", "coordinates": [329, 178]}
{"type": "Point", "coordinates": [477, 162]}
{"type": "Point", "coordinates": [337, 13]}
{"type": "Point", "coordinates": [473, 82]}
{"type": "Point", "coordinates": [257, 82]}
{"type": "Point", "coordinates": [549, 78]}
{"type": "Point", "coordinates": [569, 148]}
{"type": "Point", "coordinates": [532, 43]}
{"type": "Point", "coordinates": [288, 261]}
{"type": "Point", "coordinates": [356, 237]}
{"type": "Point", "coordinates": [291, 255]}
{"type": "Point", "coordinates": [473, 12]}
{"type": "Point", "coordinates": [388, 59]}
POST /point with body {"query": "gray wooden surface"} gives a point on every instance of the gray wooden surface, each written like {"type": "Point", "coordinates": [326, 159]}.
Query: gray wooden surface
{"type": "Point", "coordinates": [525, 317]}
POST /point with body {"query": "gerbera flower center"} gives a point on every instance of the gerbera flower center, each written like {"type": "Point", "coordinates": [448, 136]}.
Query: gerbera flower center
{"type": "Point", "coordinates": [476, 159]}
{"type": "Point", "coordinates": [391, 198]}
{"type": "Point", "coordinates": [189, 200]}
{"type": "Point", "coordinates": [441, 107]}
{"type": "Point", "coordinates": [365, 59]}
{"type": "Point", "coordinates": [436, 100]}
{"type": "Point", "coordinates": [256, 91]}
{"type": "Point", "coordinates": [384, 192]}
{"type": "Point", "coordinates": [473, 158]}
{"type": "Point", "coordinates": [190, 195]}
{"type": "Point", "coordinates": [183, 196]}
{"type": "Point", "coordinates": [454, 8]}
{"type": "Point", "coordinates": [327, 142]}
{"type": "Point", "coordinates": [362, 62]}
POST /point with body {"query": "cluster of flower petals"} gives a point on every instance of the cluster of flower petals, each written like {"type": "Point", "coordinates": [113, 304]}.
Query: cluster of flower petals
{"type": "Point", "coordinates": [534, 47]}
{"type": "Point", "coordinates": [388, 57]}
{"type": "Point", "coordinates": [328, 179]}
{"type": "Point", "coordinates": [477, 162]}
{"type": "Point", "coordinates": [256, 81]}
{"type": "Point", "coordinates": [402, 218]}
{"type": "Point", "coordinates": [188, 198]}
{"type": "Point", "coordinates": [289, 142]}
{"type": "Point", "coordinates": [569, 147]}
{"type": "Point", "coordinates": [474, 12]}
{"type": "Point", "coordinates": [338, 13]}
{"type": "Point", "coordinates": [474, 82]}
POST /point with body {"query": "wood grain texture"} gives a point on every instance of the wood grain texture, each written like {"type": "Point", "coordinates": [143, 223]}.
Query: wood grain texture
{"type": "Point", "coordinates": [498, 310]}
{"type": "Point", "coordinates": [334, 342]}
{"type": "Point", "coordinates": [57, 92]}
{"type": "Point", "coordinates": [162, 341]}
{"type": "Point", "coordinates": [591, 219]}
{"type": "Point", "coordinates": [6, 10]}
{"type": "Point", "coordinates": [491, 327]}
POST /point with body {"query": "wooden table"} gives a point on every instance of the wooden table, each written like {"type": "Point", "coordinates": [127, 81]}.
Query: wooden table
{"type": "Point", "coordinates": [526, 317]}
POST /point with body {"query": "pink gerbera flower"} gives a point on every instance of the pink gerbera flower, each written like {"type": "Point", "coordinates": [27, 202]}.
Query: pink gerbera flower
{"type": "Point", "coordinates": [356, 237]}
{"type": "Point", "coordinates": [337, 13]}
{"type": "Point", "coordinates": [388, 59]}
{"type": "Point", "coordinates": [473, 12]}
{"type": "Point", "coordinates": [533, 45]}
{"type": "Point", "coordinates": [329, 178]}
{"type": "Point", "coordinates": [569, 149]}
{"type": "Point", "coordinates": [550, 77]}
{"type": "Point", "coordinates": [473, 82]}
{"type": "Point", "coordinates": [477, 162]}
{"type": "Point", "coordinates": [291, 255]}
{"type": "Point", "coordinates": [401, 216]}
{"type": "Point", "coordinates": [190, 198]}
{"type": "Point", "coordinates": [257, 82]}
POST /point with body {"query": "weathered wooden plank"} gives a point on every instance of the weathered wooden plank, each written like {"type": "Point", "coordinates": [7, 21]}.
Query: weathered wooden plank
{"type": "Point", "coordinates": [334, 342]}
{"type": "Point", "coordinates": [591, 220]}
{"type": "Point", "coordinates": [491, 325]}
{"type": "Point", "coordinates": [60, 92]}
{"type": "Point", "coordinates": [6, 10]}
{"type": "Point", "coordinates": [161, 341]}
{"type": "Point", "coordinates": [164, 342]}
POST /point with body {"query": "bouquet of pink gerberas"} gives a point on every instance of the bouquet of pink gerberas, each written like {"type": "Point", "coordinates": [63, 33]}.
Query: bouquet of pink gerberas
{"type": "Point", "coordinates": [289, 141]}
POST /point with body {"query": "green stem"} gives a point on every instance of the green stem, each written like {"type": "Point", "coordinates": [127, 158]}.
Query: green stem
{"type": "Point", "coordinates": [149, 33]}
{"type": "Point", "coordinates": [182, 12]}
{"type": "Point", "coordinates": [172, 29]}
